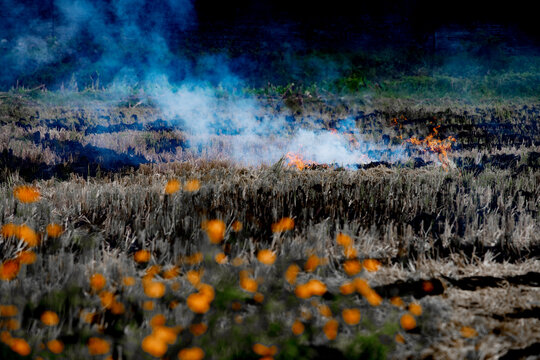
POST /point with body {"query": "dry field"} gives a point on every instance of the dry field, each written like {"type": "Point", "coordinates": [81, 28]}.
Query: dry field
{"type": "Point", "coordinates": [162, 249]}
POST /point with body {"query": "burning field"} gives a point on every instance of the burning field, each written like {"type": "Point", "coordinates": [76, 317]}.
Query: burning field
{"type": "Point", "coordinates": [393, 233]}
{"type": "Point", "coordinates": [188, 179]}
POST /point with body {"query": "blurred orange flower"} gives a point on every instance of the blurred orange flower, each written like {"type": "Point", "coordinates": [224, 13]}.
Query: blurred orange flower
{"type": "Point", "coordinates": [415, 309]}
{"type": "Point", "coordinates": [208, 291]}
{"type": "Point", "coordinates": [324, 310]}
{"type": "Point", "coordinates": [331, 329]}
{"type": "Point", "coordinates": [28, 235]}
{"type": "Point", "coordinates": [166, 334]}
{"type": "Point", "coordinates": [198, 329]}
{"type": "Point", "coordinates": [20, 346]}
{"type": "Point", "coordinates": [107, 299]}
{"type": "Point", "coordinates": [26, 194]}
{"type": "Point", "coordinates": [194, 276]}
{"type": "Point", "coordinates": [248, 284]}
{"type": "Point", "coordinates": [49, 318]}
{"type": "Point", "coordinates": [171, 272]}
{"type": "Point", "coordinates": [54, 230]}
{"type": "Point", "coordinates": [8, 310]}
{"type": "Point", "coordinates": [316, 287]}
{"type": "Point", "coordinates": [154, 346]}
{"type": "Point", "coordinates": [347, 288]}
{"type": "Point", "coordinates": [215, 229]}
{"type": "Point", "coordinates": [371, 265]}
{"type": "Point", "coordinates": [55, 346]}
{"type": "Point", "coordinates": [400, 339]}
{"type": "Point", "coordinates": [26, 257]}
{"type": "Point", "coordinates": [118, 308]}
{"type": "Point", "coordinates": [264, 350]}
{"type": "Point", "coordinates": [194, 353]}
{"type": "Point", "coordinates": [158, 320]}
{"type": "Point", "coordinates": [267, 257]}
{"type": "Point", "coordinates": [9, 230]}
{"type": "Point", "coordinates": [237, 226]}
{"type": "Point", "coordinates": [258, 297]}
{"type": "Point", "coordinates": [297, 327]}
{"type": "Point", "coordinates": [352, 267]}
{"type": "Point", "coordinates": [397, 301]}
{"type": "Point", "coordinates": [172, 186]}
{"type": "Point", "coordinates": [373, 298]}
{"type": "Point", "coordinates": [148, 305]}
{"type": "Point", "coordinates": [350, 252]}
{"type": "Point", "coordinates": [195, 258]}
{"type": "Point", "coordinates": [362, 286]}
{"type": "Point", "coordinates": [198, 303]}
{"type": "Point", "coordinates": [154, 289]}
{"type": "Point", "coordinates": [142, 256]}
{"type": "Point", "coordinates": [427, 286]}
{"type": "Point", "coordinates": [311, 264]}
{"type": "Point", "coordinates": [221, 258]}
{"type": "Point", "coordinates": [351, 316]}
{"type": "Point", "coordinates": [98, 346]}
{"type": "Point", "coordinates": [192, 185]}
{"type": "Point", "coordinates": [292, 273]}
{"type": "Point", "coordinates": [407, 322]}
{"type": "Point", "coordinates": [344, 240]}
{"type": "Point", "coordinates": [128, 280]}
{"type": "Point", "coordinates": [9, 270]}
{"type": "Point", "coordinates": [468, 332]}
{"type": "Point", "coordinates": [284, 224]}
{"type": "Point", "coordinates": [97, 282]}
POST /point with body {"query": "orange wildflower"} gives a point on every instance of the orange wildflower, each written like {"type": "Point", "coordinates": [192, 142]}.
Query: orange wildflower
{"type": "Point", "coordinates": [10, 324]}
{"type": "Point", "coordinates": [297, 327]}
{"type": "Point", "coordinates": [142, 256]}
{"type": "Point", "coordinates": [350, 252]}
{"type": "Point", "coordinates": [221, 258]}
{"type": "Point", "coordinates": [324, 310]}
{"type": "Point", "coordinates": [28, 235]}
{"type": "Point", "coordinates": [172, 186]}
{"type": "Point", "coordinates": [107, 299]}
{"type": "Point", "coordinates": [316, 287]}
{"type": "Point", "coordinates": [154, 289]}
{"type": "Point", "coordinates": [415, 309]}
{"type": "Point", "coordinates": [397, 301]}
{"type": "Point", "coordinates": [55, 346]}
{"type": "Point", "coordinates": [264, 350]}
{"type": "Point", "coordinates": [352, 267]}
{"type": "Point", "coordinates": [198, 329]}
{"type": "Point", "coordinates": [194, 353]}
{"type": "Point", "coordinates": [26, 257]}
{"type": "Point", "coordinates": [5, 337]}
{"type": "Point", "coordinates": [344, 240]}
{"type": "Point", "coordinates": [208, 291]}
{"type": "Point", "coordinates": [171, 272]}
{"type": "Point", "coordinates": [9, 270]}
{"type": "Point", "coordinates": [237, 226]}
{"type": "Point", "coordinates": [400, 339]}
{"type": "Point", "coordinates": [148, 305]}
{"type": "Point", "coordinates": [166, 334]}
{"type": "Point", "coordinates": [10, 230]}
{"type": "Point", "coordinates": [20, 346]}
{"type": "Point", "coordinates": [26, 194]}
{"type": "Point", "coordinates": [8, 310]}
{"type": "Point", "coordinates": [154, 346]}
{"type": "Point", "coordinates": [371, 265]}
{"type": "Point", "coordinates": [195, 258]}
{"type": "Point", "coordinates": [248, 284]}
{"type": "Point", "coordinates": [194, 277]}
{"type": "Point", "coordinates": [192, 185]}
{"type": "Point", "coordinates": [198, 303]}
{"type": "Point", "coordinates": [118, 308]}
{"type": "Point", "coordinates": [468, 332]}
{"type": "Point", "coordinates": [373, 298]}
{"type": "Point", "coordinates": [427, 286]}
{"type": "Point", "coordinates": [54, 230]}
{"type": "Point", "coordinates": [311, 264]}
{"type": "Point", "coordinates": [215, 229]}
{"type": "Point", "coordinates": [158, 320]}
{"type": "Point", "coordinates": [347, 288]}
{"type": "Point", "coordinates": [98, 346]}
{"type": "Point", "coordinates": [267, 257]}
{"type": "Point", "coordinates": [292, 273]}
{"type": "Point", "coordinates": [49, 318]}
{"type": "Point", "coordinates": [407, 322]}
{"type": "Point", "coordinates": [284, 224]}
{"type": "Point", "coordinates": [258, 297]}
{"type": "Point", "coordinates": [237, 261]}
{"type": "Point", "coordinates": [362, 286]}
{"type": "Point", "coordinates": [128, 281]}
{"type": "Point", "coordinates": [351, 316]}
{"type": "Point", "coordinates": [331, 329]}
{"type": "Point", "coordinates": [97, 282]}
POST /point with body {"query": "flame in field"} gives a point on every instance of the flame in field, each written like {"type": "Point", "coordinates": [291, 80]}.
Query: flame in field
{"type": "Point", "coordinates": [294, 159]}
{"type": "Point", "coordinates": [438, 146]}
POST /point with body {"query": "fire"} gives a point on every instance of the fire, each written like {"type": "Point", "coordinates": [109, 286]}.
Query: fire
{"type": "Point", "coordinates": [297, 160]}
{"type": "Point", "coordinates": [430, 143]}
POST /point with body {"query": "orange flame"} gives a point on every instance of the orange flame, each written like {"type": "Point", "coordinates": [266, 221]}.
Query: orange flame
{"type": "Point", "coordinates": [297, 160]}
